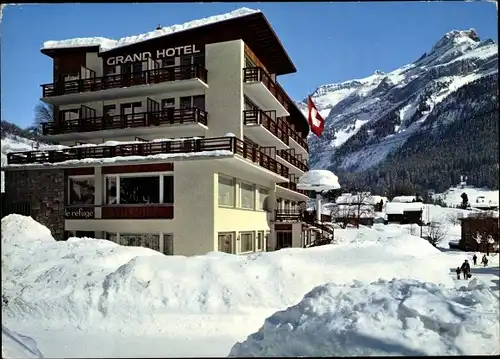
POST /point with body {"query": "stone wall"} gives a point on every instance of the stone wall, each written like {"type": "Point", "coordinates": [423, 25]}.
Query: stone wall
{"type": "Point", "coordinates": [44, 190]}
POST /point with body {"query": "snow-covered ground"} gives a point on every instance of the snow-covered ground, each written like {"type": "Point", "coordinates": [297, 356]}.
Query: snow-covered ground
{"type": "Point", "coordinates": [16, 346]}
{"type": "Point", "coordinates": [452, 196]}
{"type": "Point", "coordinates": [93, 298]}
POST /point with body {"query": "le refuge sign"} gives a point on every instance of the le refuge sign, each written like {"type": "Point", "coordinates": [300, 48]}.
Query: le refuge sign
{"type": "Point", "coordinates": [159, 54]}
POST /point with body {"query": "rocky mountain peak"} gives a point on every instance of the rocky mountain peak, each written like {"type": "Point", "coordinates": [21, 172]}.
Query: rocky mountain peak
{"type": "Point", "coordinates": [456, 37]}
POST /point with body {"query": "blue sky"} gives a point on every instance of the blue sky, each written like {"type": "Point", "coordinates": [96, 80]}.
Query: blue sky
{"type": "Point", "coordinates": [329, 42]}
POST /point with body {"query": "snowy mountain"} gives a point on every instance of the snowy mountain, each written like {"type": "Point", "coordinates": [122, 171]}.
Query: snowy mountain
{"type": "Point", "coordinates": [368, 119]}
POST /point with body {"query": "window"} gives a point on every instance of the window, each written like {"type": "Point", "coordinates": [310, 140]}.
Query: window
{"type": "Point", "coordinates": [111, 70]}
{"type": "Point", "coordinates": [186, 61]}
{"type": "Point", "coordinates": [226, 191]}
{"type": "Point", "coordinates": [168, 189]}
{"type": "Point", "coordinates": [283, 239]}
{"type": "Point", "coordinates": [185, 102]}
{"type": "Point", "coordinates": [109, 110]}
{"type": "Point", "coordinates": [226, 242]}
{"type": "Point", "coordinates": [199, 59]}
{"type": "Point", "coordinates": [167, 103]}
{"type": "Point", "coordinates": [249, 105]}
{"type": "Point", "coordinates": [262, 200]}
{"type": "Point", "coordinates": [247, 242]}
{"type": "Point", "coordinates": [68, 115]}
{"type": "Point", "coordinates": [168, 244]}
{"type": "Point", "coordinates": [247, 195]}
{"type": "Point", "coordinates": [111, 190]}
{"type": "Point", "coordinates": [168, 62]}
{"type": "Point", "coordinates": [260, 240]}
{"type": "Point", "coordinates": [139, 190]}
{"type": "Point", "coordinates": [71, 77]}
{"type": "Point", "coordinates": [146, 240]}
{"type": "Point", "coordinates": [81, 190]}
{"type": "Point", "coordinates": [199, 102]}
{"type": "Point", "coordinates": [130, 108]}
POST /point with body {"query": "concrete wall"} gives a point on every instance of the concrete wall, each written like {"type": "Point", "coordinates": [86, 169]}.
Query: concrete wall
{"type": "Point", "coordinates": [44, 190]}
{"type": "Point", "coordinates": [224, 100]}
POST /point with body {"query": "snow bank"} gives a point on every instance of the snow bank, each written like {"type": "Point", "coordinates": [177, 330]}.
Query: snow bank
{"type": "Point", "coordinates": [318, 180]}
{"type": "Point", "coordinates": [400, 317]}
{"type": "Point", "coordinates": [81, 282]}
{"type": "Point", "coordinates": [15, 346]}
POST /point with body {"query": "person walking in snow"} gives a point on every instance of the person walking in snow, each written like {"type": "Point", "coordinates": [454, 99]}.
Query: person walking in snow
{"type": "Point", "coordinates": [484, 260]}
{"type": "Point", "coordinates": [465, 269]}
{"type": "Point", "coordinates": [458, 272]}
{"type": "Point", "coordinates": [474, 259]}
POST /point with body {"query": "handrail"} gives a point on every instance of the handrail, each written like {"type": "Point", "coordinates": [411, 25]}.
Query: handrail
{"type": "Point", "coordinates": [232, 144]}
{"type": "Point", "coordinates": [166, 74]}
{"type": "Point", "coordinates": [293, 160]}
{"type": "Point", "coordinates": [259, 117]}
{"type": "Point", "coordinates": [142, 119]}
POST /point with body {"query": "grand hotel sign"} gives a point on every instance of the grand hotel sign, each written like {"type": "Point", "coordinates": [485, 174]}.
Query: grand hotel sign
{"type": "Point", "coordinates": [160, 53]}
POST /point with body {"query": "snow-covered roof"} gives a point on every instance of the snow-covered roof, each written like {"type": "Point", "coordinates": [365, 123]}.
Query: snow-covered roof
{"type": "Point", "coordinates": [399, 207]}
{"type": "Point", "coordinates": [347, 198]}
{"type": "Point", "coordinates": [318, 180]}
{"type": "Point", "coordinates": [403, 199]}
{"type": "Point", "coordinates": [106, 44]}
{"type": "Point", "coordinates": [345, 210]}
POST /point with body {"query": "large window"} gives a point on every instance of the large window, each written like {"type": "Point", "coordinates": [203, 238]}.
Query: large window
{"type": "Point", "coordinates": [140, 240]}
{"type": "Point", "coordinates": [226, 191]}
{"type": "Point", "coordinates": [139, 189]}
{"type": "Point", "coordinates": [226, 242]}
{"type": "Point", "coordinates": [262, 199]}
{"type": "Point", "coordinates": [81, 190]}
{"type": "Point", "coordinates": [260, 240]}
{"type": "Point", "coordinates": [247, 195]}
{"type": "Point", "coordinates": [247, 241]}
{"type": "Point", "coordinates": [168, 244]}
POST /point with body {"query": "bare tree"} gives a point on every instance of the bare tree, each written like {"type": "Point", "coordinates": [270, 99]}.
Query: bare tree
{"type": "Point", "coordinates": [362, 205]}
{"type": "Point", "coordinates": [43, 113]}
{"type": "Point", "coordinates": [435, 233]}
{"type": "Point", "coordinates": [343, 214]}
{"type": "Point", "coordinates": [454, 218]}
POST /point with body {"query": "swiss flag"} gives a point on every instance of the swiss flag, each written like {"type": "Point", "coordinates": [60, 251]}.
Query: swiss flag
{"type": "Point", "coordinates": [316, 122]}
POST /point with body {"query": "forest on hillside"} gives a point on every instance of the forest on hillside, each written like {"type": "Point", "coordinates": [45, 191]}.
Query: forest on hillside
{"type": "Point", "coordinates": [436, 158]}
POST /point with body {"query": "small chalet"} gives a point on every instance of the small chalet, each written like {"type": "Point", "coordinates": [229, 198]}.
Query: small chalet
{"type": "Point", "coordinates": [404, 213]}
{"type": "Point", "coordinates": [484, 205]}
{"type": "Point", "coordinates": [356, 209]}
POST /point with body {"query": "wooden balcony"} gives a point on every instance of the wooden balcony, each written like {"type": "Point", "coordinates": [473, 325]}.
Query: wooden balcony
{"type": "Point", "coordinates": [301, 143]}
{"type": "Point", "coordinates": [294, 160]}
{"type": "Point", "coordinates": [232, 144]}
{"type": "Point", "coordinates": [126, 211]}
{"type": "Point", "coordinates": [292, 184]}
{"type": "Point", "coordinates": [263, 130]}
{"type": "Point", "coordinates": [176, 78]}
{"type": "Point", "coordinates": [261, 88]}
{"type": "Point", "coordinates": [143, 119]}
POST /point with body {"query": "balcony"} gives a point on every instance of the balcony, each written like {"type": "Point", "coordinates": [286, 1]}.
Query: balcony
{"type": "Point", "coordinates": [176, 123]}
{"type": "Point", "coordinates": [263, 130]}
{"type": "Point", "coordinates": [290, 190]}
{"type": "Point", "coordinates": [295, 163]}
{"type": "Point", "coordinates": [232, 145]}
{"type": "Point", "coordinates": [296, 141]}
{"type": "Point", "coordinates": [170, 79]}
{"type": "Point", "coordinates": [264, 91]}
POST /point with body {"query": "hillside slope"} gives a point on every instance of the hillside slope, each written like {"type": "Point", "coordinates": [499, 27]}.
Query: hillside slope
{"type": "Point", "coordinates": [415, 117]}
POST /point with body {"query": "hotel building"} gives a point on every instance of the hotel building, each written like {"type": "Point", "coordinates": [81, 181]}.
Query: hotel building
{"type": "Point", "coordinates": [181, 141]}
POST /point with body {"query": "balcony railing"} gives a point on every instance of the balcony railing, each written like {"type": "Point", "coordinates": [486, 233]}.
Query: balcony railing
{"type": "Point", "coordinates": [292, 185]}
{"type": "Point", "coordinates": [299, 163]}
{"type": "Point", "coordinates": [148, 77]}
{"type": "Point", "coordinates": [231, 144]}
{"type": "Point", "coordinates": [294, 135]}
{"type": "Point", "coordinates": [257, 74]}
{"type": "Point", "coordinates": [143, 119]}
{"type": "Point", "coordinates": [259, 117]}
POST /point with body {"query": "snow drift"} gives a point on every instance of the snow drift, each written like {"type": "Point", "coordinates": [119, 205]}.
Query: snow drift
{"type": "Point", "coordinates": [400, 317]}
{"type": "Point", "coordinates": [15, 345]}
{"type": "Point", "coordinates": [84, 281]}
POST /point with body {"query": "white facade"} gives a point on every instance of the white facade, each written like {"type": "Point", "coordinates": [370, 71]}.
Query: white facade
{"type": "Point", "coordinates": [201, 220]}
